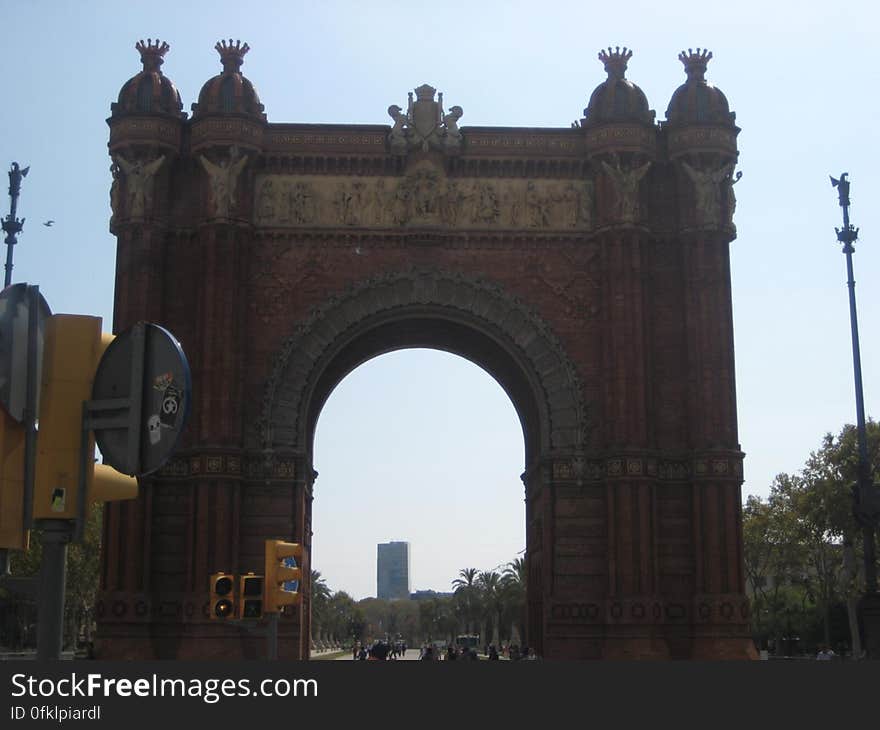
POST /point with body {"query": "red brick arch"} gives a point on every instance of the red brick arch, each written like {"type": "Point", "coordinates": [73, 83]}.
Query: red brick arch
{"type": "Point", "coordinates": [586, 268]}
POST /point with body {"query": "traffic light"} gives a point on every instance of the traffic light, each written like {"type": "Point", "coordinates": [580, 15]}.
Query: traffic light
{"type": "Point", "coordinates": [12, 533]}
{"type": "Point", "coordinates": [73, 347]}
{"type": "Point", "coordinates": [222, 596]}
{"type": "Point", "coordinates": [277, 574]}
{"type": "Point", "coordinates": [250, 596]}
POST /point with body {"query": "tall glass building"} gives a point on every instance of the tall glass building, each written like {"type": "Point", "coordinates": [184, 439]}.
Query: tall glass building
{"type": "Point", "coordinates": [392, 570]}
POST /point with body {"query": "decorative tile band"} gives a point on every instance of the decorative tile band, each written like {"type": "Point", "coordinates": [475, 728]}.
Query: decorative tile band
{"type": "Point", "coordinates": [229, 465]}
{"type": "Point", "coordinates": [720, 609]}
{"type": "Point", "coordinates": [713, 467]}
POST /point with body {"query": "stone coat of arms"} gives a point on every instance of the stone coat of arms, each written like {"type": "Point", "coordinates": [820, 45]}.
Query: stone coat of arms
{"type": "Point", "coordinates": [425, 126]}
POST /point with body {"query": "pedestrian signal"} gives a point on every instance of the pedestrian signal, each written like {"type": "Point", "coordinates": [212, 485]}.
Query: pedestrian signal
{"type": "Point", "coordinates": [222, 596]}
{"type": "Point", "coordinates": [250, 596]}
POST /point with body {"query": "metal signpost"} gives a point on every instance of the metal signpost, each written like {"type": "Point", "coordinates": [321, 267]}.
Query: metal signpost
{"type": "Point", "coordinates": [140, 401]}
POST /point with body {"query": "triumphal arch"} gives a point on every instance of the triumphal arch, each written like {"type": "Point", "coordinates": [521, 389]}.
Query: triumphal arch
{"type": "Point", "coordinates": [585, 268]}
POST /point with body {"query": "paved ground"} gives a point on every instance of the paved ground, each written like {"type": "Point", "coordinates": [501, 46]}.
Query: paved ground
{"type": "Point", "coordinates": [410, 656]}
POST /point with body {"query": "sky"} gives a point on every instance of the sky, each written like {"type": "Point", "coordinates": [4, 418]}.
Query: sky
{"type": "Point", "coordinates": [440, 466]}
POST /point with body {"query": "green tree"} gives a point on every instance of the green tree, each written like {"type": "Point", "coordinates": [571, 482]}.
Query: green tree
{"type": "Point", "coordinates": [340, 620]}
{"type": "Point", "coordinates": [83, 574]}
{"type": "Point", "coordinates": [429, 610]}
{"type": "Point", "coordinates": [801, 546]}
{"type": "Point", "coordinates": [770, 556]}
{"type": "Point", "coordinates": [833, 472]}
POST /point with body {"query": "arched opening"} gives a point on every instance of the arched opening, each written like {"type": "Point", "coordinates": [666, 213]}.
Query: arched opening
{"type": "Point", "coordinates": [471, 318]}
{"type": "Point", "coordinates": [422, 447]}
{"type": "Point", "coordinates": [433, 328]}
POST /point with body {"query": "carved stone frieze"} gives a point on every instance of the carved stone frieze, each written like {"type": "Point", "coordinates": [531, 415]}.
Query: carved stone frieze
{"type": "Point", "coordinates": [425, 197]}
{"type": "Point", "coordinates": [152, 131]}
{"type": "Point", "coordinates": [689, 140]}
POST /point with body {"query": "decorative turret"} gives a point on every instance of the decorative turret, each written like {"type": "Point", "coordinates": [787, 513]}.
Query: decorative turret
{"type": "Point", "coordinates": [697, 101]}
{"type": "Point", "coordinates": [617, 99]}
{"type": "Point", "coordinates": [150, 91]}
{"type": "Point", "coordinates": [229, 92]}
{"type": "Point", "coordinates": [701, 138]}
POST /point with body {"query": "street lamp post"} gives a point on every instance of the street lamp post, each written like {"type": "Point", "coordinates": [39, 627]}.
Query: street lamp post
{"type": "Point", "coordinates": [866, 505]}
{"type": "Point", "coordinates": [11, 225]}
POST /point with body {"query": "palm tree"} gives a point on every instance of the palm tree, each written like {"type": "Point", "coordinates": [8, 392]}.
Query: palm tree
{"type": "Point", "coordinates": [465, 587]}
{"type": "Point", "coordinates": [489, 583]}
{"type": "Point", "coordinates": [513, 581]}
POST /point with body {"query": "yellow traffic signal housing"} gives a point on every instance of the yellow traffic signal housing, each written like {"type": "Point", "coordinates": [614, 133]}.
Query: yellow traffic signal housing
{"type": "Point", "coordinates": [277, 574]}
{"type": "Point", "coordinates": [250, 596]}
{"type": "Point", "coordinates": [12, 436]}
{"type": "Point", "coordinates": [222, 589]}
{"type": "Point", "coordinates": [73, 347]}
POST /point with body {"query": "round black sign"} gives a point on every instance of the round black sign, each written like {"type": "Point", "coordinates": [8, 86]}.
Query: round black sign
{"type": "Point", "coordinates": [145, 373]}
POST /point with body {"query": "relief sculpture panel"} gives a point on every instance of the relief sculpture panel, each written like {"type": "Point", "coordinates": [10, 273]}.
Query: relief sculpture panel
{"type": "Point", "coordinates": [423, 198]}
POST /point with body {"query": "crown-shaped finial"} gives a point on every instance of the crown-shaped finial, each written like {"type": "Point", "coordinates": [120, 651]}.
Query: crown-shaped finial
{"type": "Point", "coordinates": [152, 53]}
{"type": "Point", "coordinates": [232, 54]}
{"type": "Point", "coordinates": [615, 61]}
{"type": "Point", "coordinates": [695, 63]}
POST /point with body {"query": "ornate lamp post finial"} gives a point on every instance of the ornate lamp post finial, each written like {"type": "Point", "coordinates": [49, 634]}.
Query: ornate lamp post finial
{"type": "Point", "coordinates": [11, 225]}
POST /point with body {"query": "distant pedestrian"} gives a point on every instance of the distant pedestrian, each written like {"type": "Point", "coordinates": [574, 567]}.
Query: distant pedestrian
{"type": "Point", "coordinates": [493, 653]}
{"type": "Point", "coordinates": [428, 653]}
{"type": "Point", "coordinates": [450, 654]}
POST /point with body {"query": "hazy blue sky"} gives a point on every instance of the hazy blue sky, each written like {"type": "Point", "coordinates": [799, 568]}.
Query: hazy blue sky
{"type": "Point", "coordinates": [801, 76]}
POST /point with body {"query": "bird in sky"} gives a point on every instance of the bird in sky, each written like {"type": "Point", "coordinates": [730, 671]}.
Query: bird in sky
{"type": "Point", "coordinates": [48, 224]}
